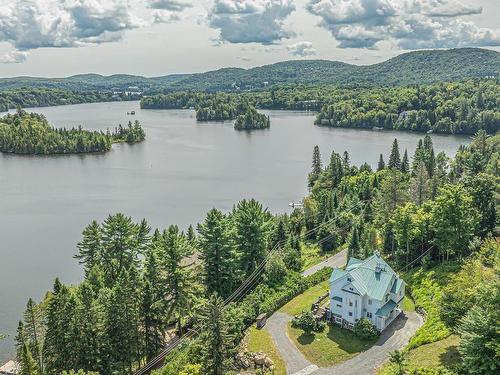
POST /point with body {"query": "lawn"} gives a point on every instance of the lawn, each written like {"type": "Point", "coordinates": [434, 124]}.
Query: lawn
{"type": "Point", "coordinates": [332, 346]}
{"type": "Point", "coordinates": [440, 353]}
{"type": "Point", "coordinates": [259, 340]}
{"type": "Point", "coordinates": [304, 301]}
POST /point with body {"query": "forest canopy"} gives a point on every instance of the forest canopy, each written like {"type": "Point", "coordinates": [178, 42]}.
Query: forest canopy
{"type": "Point", "coordinates": [451, 108]}
{"type": "Point", "coordinates": [30, 133]}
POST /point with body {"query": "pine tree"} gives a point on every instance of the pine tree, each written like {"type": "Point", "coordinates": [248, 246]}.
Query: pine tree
{"type": "Point", "coordinates": [179, 280]}
{"type": "Point", "coordinates": [191, 235]}
{"type": "Point", "coordinates": [381, 163]}
{"type": "Point", "coordinates": [215, 338]}
{"type": "Point", "coordinates": [218, 254]}
{"type": "Point", "coordinates": [394, 158]}
{"type": "Point", "coordinates": [354, 248]}
{"type": "Point", "coordinates": [345, 162]}
{"type": "Point", "coordinates": [405, 164]}
{"type": "Point", "coordinates": [28, 364]}
{"type": "Point", "coordinates": [89, 249]}
{"type": "Point", "coordinates": [32, 331]}
{"type": "Point", "coordinates": [420, 184]}
{"type": "Point", "coordinates": [317, 166]}
{"type": "Point", "coordinates": [252, 225]}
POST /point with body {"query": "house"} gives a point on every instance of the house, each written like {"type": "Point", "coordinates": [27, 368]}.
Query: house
{"type": "Point", "coordinates": [365, 289]}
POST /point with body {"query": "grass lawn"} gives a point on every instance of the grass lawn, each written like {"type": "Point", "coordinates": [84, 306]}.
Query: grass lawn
{"type": "Point", "coordinates": [440, 353]}
{"type": "Point", "coordinates": [332, 346]}
{"type": "Point", "coordinates": [312, 255]}
{"type": "Point", "coordinates": [259, 340]}
{"type": "Point", "coordinates": [304, 301]}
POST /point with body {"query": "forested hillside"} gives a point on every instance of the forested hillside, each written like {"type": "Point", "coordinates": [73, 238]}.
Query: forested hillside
{"type": "Point", "coordinates": [30, 133]}
{"type": "Point", "coordinates": [418, 67]}
{"type": "Point", "coordinates": [458, 108]}
{"type": "Point", "coordinates": [142, 287]}
{"type": "Point", "coordinates": [34, 97]}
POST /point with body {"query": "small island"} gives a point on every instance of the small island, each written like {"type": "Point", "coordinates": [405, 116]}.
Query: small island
{"type": "Point", "coordinates": [31, 134]}
{"type": "Point", "coordinates": [251, 120]}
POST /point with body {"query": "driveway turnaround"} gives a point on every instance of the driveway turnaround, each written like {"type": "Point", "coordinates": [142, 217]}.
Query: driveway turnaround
{"type": "Point", "coordinates": [396, 336]}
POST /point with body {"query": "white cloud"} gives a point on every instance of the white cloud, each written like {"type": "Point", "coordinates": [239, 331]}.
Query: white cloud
{"type": "Point", "coordinates": [251, 21]}
{"type": "Point", "coordinates": [13, 57]}
{"type": "Point", "coordinates": [171, 5]}
{"type": "Point", "coordinates": [31, 24]}
{"type": "Point", "coordinates": [410, 24]}
{"type": "Point", "coordinates": [301, 49]}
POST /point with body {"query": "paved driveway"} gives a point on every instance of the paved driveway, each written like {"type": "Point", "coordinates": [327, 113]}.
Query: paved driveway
{"type": "Point", "coordinates": [396, 336]}
{"type": "Point", "coordinates": [337, 260]}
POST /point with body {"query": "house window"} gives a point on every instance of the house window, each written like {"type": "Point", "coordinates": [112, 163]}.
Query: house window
{"type": "Point", "coordinates": [339, 306]}
{"type": "Point", "coordinates": [369, 301]}
{"type": "Point", "coordinates": [350, 289]}
{"type": "Point", "coordinates": [350, 303]}
{"type": "Point", "coordinates": [350, 313]}
{"type": "Point", "coordinates": [386, 297]}
{"type": "Point", "coordinates": [349, 279]}
{"type": "Point", "coordinates": [368, 314]}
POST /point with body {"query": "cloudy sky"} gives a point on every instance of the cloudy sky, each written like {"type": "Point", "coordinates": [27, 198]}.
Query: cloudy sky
{"type": "Point", "coordinates": [156, 37]}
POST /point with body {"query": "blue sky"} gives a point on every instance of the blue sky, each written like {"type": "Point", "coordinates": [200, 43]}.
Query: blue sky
{"type": "Point", "coordinates": [156, 37]}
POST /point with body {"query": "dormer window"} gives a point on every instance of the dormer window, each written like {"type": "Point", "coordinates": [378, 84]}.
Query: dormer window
{"type": "Point", "coordinates": [349, 279]}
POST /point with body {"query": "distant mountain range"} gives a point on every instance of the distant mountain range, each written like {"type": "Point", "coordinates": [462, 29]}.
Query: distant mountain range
{"type": "Point", "coordinates": [408, 68]}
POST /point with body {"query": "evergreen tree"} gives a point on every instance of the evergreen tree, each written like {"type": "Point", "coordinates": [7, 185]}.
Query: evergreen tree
{"type": "Point", "coordinates": [405, 163]}
{"type": "Point", "coordinates": [317, 166]}
{"type": "Point", "coordinates": [420, 184]}
{"type": "Point", "coordinates": [191, 235]}
{"type": "Point", "coordinates": [381, 163]}
{"type": "Point", "coordinates": [252, 225]}
{"type": "Point", "coordinates": [215, 338]}
{"type": "Point", "coordinates": [179, 280]}
{"type": "Point", "coordinates": [89, 249]}
{"type": "Point", "coordinates": [354, 248]}
{"type": "Point", "coordinates": [32, 331]}
{"type": "Point", "coordinates": [394, 158]}
{"type": "Point", "coordinates": [28, 364]}
{"type": "Point", "coordinates": [218, 254]}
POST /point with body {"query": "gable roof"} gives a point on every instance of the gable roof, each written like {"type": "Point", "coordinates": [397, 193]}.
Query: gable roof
{"type": "Point", "coordinates": [372, 276]}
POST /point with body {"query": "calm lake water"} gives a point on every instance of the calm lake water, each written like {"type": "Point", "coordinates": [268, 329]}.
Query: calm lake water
{"type": "Point", "coordinates": [181, 171]}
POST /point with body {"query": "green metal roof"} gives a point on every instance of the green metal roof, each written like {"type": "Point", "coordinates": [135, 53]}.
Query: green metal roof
{"type": "Point", "coordinates": [386, 309]}
{"type": "Point", "coordinates": [372, 276]}
{"type": "Point", "coordinates": [337, 274]}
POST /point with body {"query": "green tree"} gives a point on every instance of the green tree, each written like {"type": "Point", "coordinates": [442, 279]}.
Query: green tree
{"type": "Point", "coordinates": [420, 184]}
{"type": "Point", "coordinates": [218, 254]}
{"type": "Point", "coordinates": [454, 220]}
{"type": "Point", "coordinates": [395, 158]}
{"type": "Point", "coordinates": [405, 163]}
{"type": "Point", "coordinates": [28, 364]}
{"type": "Point", "coordinates": [398, 358]}
{"type": "Point", "coordinates": [252, 225]}
{"type": "Point", "coordinates": [216, 340]}
{"type": "Point", "coordinates": [180, 284]}
{"type": "Point", "coordinates": [317, 166]}
{"type": "Point", "coordinates": [479, 333]}
{"type": "Point", "coordinates": [381, 163]}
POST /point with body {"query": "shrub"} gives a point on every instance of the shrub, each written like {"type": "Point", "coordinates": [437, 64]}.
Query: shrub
{"type": "Point", "coordinates": [307, 322]}
{"type": "Point", "coordinates": [365, 330]}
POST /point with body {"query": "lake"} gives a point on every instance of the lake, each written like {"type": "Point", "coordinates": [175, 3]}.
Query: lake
{"type": "Point", "coordinates": [181, 171]}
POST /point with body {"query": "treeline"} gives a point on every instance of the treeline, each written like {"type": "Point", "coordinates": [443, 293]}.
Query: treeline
{"type": "Point", "coordinates": [141, 287]}
{"type": "Point", "coordinates": [44, 97]}
{"type": "Point", "coordinates": [451, 108]}
{"type": "Point", "coordinates": [424, 211]}
{"type": "Point", "coordinates": [30, 133]}
{"type": "Point", "coordinates": [456, 108]}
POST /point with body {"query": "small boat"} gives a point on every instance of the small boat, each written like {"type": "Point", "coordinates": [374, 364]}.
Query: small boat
{"type": "Point", "coordinates": [132, 112]}
{"type": "Point", "coordinates": [377, 128]}
{"type": "Point", "coordinates": [293, 204]}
